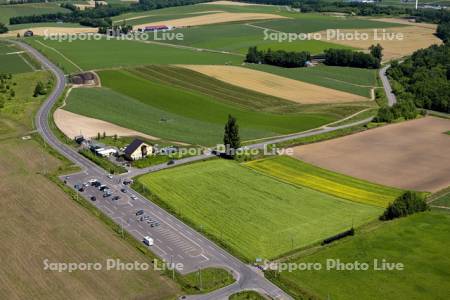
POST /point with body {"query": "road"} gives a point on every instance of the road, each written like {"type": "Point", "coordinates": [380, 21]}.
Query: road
{"type": "Point", "coordinates": [175, 242]}
{"type": "Point", "coordinates": [387, 86]}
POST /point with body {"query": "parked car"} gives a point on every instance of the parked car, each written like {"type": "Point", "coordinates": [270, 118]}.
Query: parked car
{"type": "Point", "coordinates": [81, 189]}
{"type": "Point", "coordinates": [123, 190]}
{"type": "Point", "coordinates": [106, 194]}
{"type": "Point", "coordinates": [140, 212]}
{"type": "Point", "coordinates": [109, 176]}
{"type": "Point", "coordinates": [93, 198]}
{"type": "Point", "coordinates": [148, 241]}
{"type": "Point", "coordinates": [133, 197]}
{"type": "Point", "coordinates": [115, 198]}
{"type": "Point", "coordinates": [171, 162]}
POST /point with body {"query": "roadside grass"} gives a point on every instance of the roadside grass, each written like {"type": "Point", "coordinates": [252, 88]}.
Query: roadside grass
{"type": "Point", "coordinates": [22, 106]}
{"type": "Point", "coordinates": [250, 214]}
{"type": "Point", "coordinates": [247, 295]}
{"type": "Point", "coordinates": [359, 117]}
{"type": "Point", "coordinates": [160, 110]}
{"type": "Point", "coordinates": [102, 162]}
{"type": "Point", "coordinates": [205, 280]}
{"type": "Point", "coordinates": [13, 63]}
{"type": "Point", "coordinates": [443, 199]}
{"type": "Point", "coordinates": [297, 172]}
{"type": "Point", "coordinates": [419, 242]}
{"type": "Point", "coordinates": [91, 54]}
{"type": "Point", "coordinates": [351, 80]}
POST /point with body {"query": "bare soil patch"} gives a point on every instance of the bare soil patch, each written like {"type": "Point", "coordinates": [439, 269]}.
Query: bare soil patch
{"type": "Point", "coordinates": [414, 38]}
{"type": "Point", "coordinates": [289, 89]}
{"type": "Point", "coordinates": [222, 17]}
{"type": "Point", "coordinates": [72, 125]}
{"type": "Point", "coordinates": [408, 155]}
{"type": "Point", "coordinates": [39, 221]}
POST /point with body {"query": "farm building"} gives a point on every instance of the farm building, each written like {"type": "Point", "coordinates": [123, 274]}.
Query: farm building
{"type": "Point", "coordinates": [138, 150]}
{"type": "Point", "coordinates": [156, 28]}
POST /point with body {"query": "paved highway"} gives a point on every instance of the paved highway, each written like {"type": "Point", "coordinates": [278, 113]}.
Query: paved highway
{"type": "Point", "coordinates": [175, 242]}
{"type": "Point", "coordinates": [387, 86]}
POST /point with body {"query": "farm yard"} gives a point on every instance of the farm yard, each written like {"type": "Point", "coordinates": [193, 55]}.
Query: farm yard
{"type": "Point", "coordinates": [300, 173]}
{"type": "Point", "coordinates": [253, 215]}
{"type": "Point", "coordinates": [408, 155]}
{"type": "Point", "coordinates": [416, 242]}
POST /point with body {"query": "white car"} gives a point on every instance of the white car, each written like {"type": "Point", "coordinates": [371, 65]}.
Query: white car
{"type": "Point", "coordinates": [133, 197]}
{"type": "Point", "coordinates": [148, 241]}
{"type": "Point", "coordinates": [109, 176]}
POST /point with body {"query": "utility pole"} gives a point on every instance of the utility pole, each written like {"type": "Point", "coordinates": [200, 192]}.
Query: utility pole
{"type": "Point", "coordinates": [417, 4]}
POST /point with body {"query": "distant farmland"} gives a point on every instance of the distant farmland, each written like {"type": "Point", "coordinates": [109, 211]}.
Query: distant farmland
{"type": "Point", "coordinates": [160, 110]}
{"type": "Point", "coordinates": [93, 55]}
{"type": "Point", "coordinates": [297, 172]}
{"type": "Point", "coordinates": [252, 214]}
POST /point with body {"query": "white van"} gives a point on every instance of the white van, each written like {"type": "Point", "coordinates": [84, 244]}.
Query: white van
{"type": "Point", "coordinates": [148, 241]}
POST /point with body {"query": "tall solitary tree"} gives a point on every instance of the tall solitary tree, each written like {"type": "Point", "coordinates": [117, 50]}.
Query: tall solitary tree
{"type": "Point", "coordinates": [376, 51]}
{"type": "Point", "coordinates": [231, 138]}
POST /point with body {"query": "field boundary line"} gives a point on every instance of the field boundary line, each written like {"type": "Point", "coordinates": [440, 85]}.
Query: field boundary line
{"type": "Point", "coordinates": [62, 55]}
{"type": "Point", "coordinates": [27, 62]}
{"type": "Point", "coordinates": [189, 47]}
{"type": "Point", "coordinates": [260, 27]}
{"type": "Point", "coordinates": [348, 117]}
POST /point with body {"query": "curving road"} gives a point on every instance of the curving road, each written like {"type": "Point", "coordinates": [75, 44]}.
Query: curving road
{"type": "Point", "coordinates": [175, 241]}
{"type": "Point", "coordinates": [387, 86]}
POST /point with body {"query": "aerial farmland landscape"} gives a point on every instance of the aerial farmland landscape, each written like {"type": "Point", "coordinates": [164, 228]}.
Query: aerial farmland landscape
{"type": "Point", "coordinates": [196, 149]}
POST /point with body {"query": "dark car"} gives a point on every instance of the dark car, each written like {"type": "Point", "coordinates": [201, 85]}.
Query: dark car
{"type": "Point", "coordinates": [171, 162]}
{"type": "Point", "coordinates": [81, 189]}
{"type": "Point", "coordinates": [123, 190]}
{"type": "Point", "coordinates": [115, 198]}
{"type": "Point", "coordinates": [140, 212]}
{"type": "Point", "coordinates": [93, 198]}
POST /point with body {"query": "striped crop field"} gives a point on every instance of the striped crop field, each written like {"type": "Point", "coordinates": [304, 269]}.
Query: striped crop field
{"type": "Point", "coordinates": [298, 172]}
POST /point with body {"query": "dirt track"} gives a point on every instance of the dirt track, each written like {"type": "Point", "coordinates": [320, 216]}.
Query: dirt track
{"type": "Point", "coordinates": [409, 155]}
{"type": "Point", "coordinates": [42, 31]}
{"type": "Point", "coordinates": [263, 82]}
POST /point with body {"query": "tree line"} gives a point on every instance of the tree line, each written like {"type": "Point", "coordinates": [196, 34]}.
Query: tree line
{"type": "Point", "coordinates": [279, 58]}
{"type": "Point", "coordinates": [424, 78]}
{"type": "Point", "coordinates": [407, 204]}
{"type": "Point", "coordinates": [100, 15]}
{"type": "Point", "coordinates": [356, 59]}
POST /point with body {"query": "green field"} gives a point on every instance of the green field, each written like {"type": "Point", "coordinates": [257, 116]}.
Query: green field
{"type": "Point", "coordinates": [13, 63]}
{"type": "Point", "coordinates": [351, 80]}
{"type": "Point", "coordinates": [300, 173]}
{"type": "Point", "coordinates": [8, 11]}
{"type": "Point", "coordinates": [420, 242]}
{"type": "Point", "coordinates": [443, 200]}
{"type": "Point", "coordinates": [160, 110]}
{"type": "Point", "coordinates": [306, 23]}
{"type": "Point", "coordinates": [252, 214]}
{"type": "Point", "coordinates": [97, 54]}
{"type": "Point", "coordinates": [238, 37]}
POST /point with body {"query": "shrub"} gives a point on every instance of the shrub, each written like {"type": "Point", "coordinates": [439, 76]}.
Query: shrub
{"type": "Point", "coordinates": [407, 204]}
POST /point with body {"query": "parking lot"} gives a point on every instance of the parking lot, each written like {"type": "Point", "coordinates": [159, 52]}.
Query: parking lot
{"type": "Point", "coordinates": [140, 218]}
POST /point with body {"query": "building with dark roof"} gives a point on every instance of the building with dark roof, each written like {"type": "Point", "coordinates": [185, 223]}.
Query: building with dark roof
{"type": "Point", "coordinates": [137, 150]}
